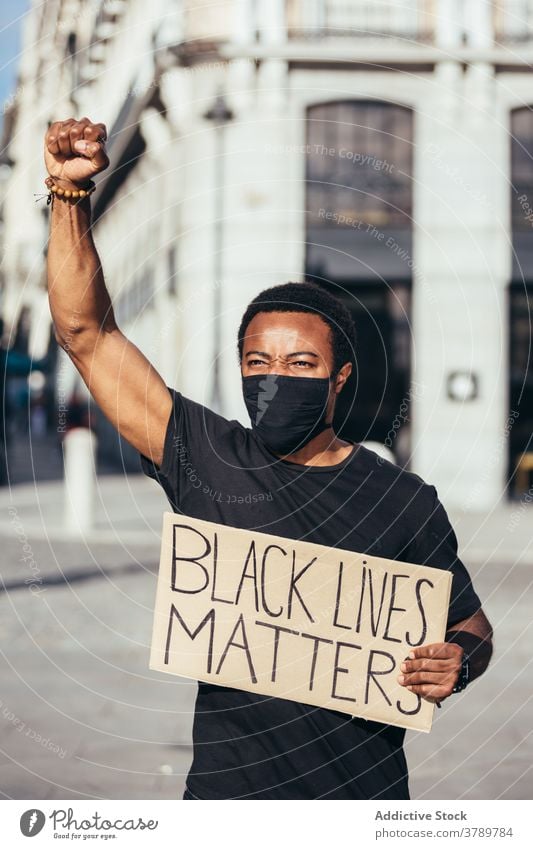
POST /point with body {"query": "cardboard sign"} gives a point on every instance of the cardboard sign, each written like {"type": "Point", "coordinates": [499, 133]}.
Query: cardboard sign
{"type": "Point", "coordinates": [294, 620]}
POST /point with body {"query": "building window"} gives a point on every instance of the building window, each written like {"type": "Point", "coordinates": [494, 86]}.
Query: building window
{"type": "Point", "coordinates": [359, 164]}
{"type": "Point", "coordinates": [171, 271]}
{"type": "Point", "coordinates": [521, 301]}
{"type": "Point", "coordinates": [521, 388]}
{"type": "Point", "coordinates": [402, 19]}
{"type": "Point", "coordinates": [522, 169]}
{"type": "Point", "coordinates": [72, 56]}
{"type": "Point", "coordinates": [135, 299]}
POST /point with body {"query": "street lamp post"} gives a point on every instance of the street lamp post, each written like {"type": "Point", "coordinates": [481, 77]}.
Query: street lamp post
{"type": "Point", "coordinates": [220, 114]}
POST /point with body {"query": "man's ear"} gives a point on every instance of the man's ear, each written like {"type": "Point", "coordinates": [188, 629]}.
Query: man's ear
{"type": "Point", "coordinates": [342, 376]}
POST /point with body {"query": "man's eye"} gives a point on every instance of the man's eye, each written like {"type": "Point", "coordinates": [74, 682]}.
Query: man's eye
{"type": "Point", "coordinates": [256, 362]}
{"type": "Point", "coordinates": [301, 363]}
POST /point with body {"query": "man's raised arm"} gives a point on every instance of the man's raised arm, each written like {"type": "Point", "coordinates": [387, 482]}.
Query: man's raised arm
{"type": "Point", "coordinates": [128, 390]}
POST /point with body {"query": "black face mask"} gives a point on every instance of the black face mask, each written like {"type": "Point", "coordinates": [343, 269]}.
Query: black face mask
{"type": "Point", "coordinates": [286, 412]}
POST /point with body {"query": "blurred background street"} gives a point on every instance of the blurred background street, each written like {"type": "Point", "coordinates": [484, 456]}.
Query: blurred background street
{"type": "Point", "coordinates": [383, 150]}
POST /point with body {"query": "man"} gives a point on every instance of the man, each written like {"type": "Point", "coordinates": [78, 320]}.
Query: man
{"type": "Point", "coordinates": [12, 364]}
{"type": "Point", "coordinates": [296, 350]}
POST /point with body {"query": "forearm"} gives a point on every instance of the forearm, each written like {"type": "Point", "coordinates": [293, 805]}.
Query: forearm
{"type": "Point", "coordinates": [79, 301]}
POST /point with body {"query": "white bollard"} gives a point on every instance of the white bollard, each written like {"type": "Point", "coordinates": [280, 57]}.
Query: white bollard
{"type": "Point", "coordinates": [79, 452]}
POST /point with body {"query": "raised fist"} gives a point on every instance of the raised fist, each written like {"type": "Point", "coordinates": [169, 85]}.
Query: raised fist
{"type": "Point", "coordinates": [74, 151]}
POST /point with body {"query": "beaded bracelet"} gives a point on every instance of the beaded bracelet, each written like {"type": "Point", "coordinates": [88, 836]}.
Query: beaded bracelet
{"type": "Point", "coordinates": [68, 194]}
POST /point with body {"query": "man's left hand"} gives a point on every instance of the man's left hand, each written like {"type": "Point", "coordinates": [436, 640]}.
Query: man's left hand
{"type": "Point", "coordinates": [432, 671]}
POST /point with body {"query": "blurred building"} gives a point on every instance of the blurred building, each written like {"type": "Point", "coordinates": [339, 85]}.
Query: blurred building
{"type": "Point", "coordinates": [382, 149]}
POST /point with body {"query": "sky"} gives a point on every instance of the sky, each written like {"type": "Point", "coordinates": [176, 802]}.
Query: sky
{"type": "Point", "coordinates": [11, 14]}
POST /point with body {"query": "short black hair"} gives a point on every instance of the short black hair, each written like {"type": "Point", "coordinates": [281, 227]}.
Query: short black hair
{"type": "Point", "coordinates": [306, 297]}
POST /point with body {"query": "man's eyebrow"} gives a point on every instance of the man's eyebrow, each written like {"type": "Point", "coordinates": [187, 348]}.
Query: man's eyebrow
{"type": "Point", "coordinates": [294, 354]}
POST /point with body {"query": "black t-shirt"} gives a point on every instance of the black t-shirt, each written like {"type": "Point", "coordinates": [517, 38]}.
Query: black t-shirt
{"type": "Point", "coordinates": [252, 746]}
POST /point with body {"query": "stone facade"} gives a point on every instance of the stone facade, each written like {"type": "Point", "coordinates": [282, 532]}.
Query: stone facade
{"type": "Point", "coordinates": [197, 212]}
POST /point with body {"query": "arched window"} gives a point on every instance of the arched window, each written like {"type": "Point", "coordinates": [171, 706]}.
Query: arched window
{"type": "Point", "coordinates": [359, 162]}
{"type": "Point", "coordinates": [360, 158]}
{"type": "Point", "coordinates": [359, 185]}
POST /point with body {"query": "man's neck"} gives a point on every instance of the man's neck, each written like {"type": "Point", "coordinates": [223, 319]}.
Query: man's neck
{"type": "Point", "coordinates": [326, 449]}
